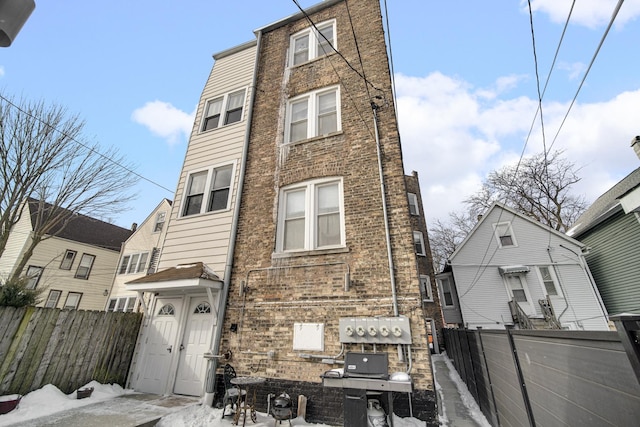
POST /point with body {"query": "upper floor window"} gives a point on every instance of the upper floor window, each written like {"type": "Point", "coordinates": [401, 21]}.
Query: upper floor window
{"type": "Point", "coordinates": [160, 218]}
{"type": "Point", "coordinates": [208, 190]}
{"type": "Point", "coordinates": [418, 243]}
{"type": "Point", "coordinates": [134, 263]}
{"type": "Point", "coordinates": [548, 280]}
{"type": "Point", "coordinates": [223, 110]}
{"type": "Point", "coordinates": [413, 204]}
{"type": "Point", "coordinates": [311, 216]}
{"type": "Point", "coordinates": [67, 261]}
{"type": "Point", "coordinates": [33, 276]}
{"type": "Point", "coordinates": [504, 234]}
{"type": "Point", "coordinates": [425, 288]}
{"type": "Point", "coordinates": [309, 43]}
{"type": "Point", "coordinates": [313, 114]}
{"type": "Point", "coordinates": [445, 289]}
{"type": "Point", "coordinates": [84, 267]}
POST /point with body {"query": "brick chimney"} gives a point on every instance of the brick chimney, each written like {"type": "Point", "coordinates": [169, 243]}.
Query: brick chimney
{"type": "Point", "coordinates": [635, 144]}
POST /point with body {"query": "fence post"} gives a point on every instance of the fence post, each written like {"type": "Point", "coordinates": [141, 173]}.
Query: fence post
{"type": "Point", "coordinates": [628, 327]}
{"type": "Point", "coordinates": [523, 386]}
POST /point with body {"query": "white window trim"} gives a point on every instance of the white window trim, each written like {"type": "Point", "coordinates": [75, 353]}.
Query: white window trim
{"type": "Point", "coordinates": [413, 200]}
{"type": "Point", "coordinates": [529, 308]}
{"type": "Point", "coordinates": [207, 189]}
{"type": "Point", "coordinates": [419, 235]}
{"type": "Point", "coordinates": [161, 218]}
{"type": "Point", "coordinates": [223, 109]}
{"type": "Point", "coordinates": [554, 277]}
{"type": "Point", "coordinates": [312, 113]}
{"type": "Point", "coordinates": [310, 215]}
{"type": "Point", "coordinates": [130, 301]}
{"type": "Point", "coordinates": [443, 300]}
{"type": "Point", "coordinates": [496, 232]}
{"type": "Point", "coordinates": [138, 268]}
{"type": "Point", "coordinates": [425, 283]}
{"type": "Point", "coordinates": [314, 37]}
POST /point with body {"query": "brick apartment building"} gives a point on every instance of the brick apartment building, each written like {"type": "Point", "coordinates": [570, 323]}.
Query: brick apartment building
{"type": "Point", "coordinates": [279, 235]}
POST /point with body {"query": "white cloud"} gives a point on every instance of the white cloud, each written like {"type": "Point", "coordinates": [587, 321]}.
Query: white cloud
{"type": "Point", "coordinates": [1, 71]}
{"type": "Point", "coordinates": [165, 121]}
{"type": "Point", "coordinates": [575, 70]}
{"type": "Point", "coordinates": [588, 13]}
{"type": "Point", "coordinates": [453, 136]}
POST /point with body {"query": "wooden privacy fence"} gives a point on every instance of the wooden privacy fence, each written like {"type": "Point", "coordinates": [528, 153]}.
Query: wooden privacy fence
{"type": "Point", "coordinates": [547, 378]}
{"type": "Point", "coordinates": [66, 348]}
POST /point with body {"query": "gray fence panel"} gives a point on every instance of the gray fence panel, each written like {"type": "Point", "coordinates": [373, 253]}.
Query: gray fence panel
{"type": "Point", "coordinates": [482, 379]}
{"type": "Point", "coordinates": [510, 404]}
{"type": "Point", "coordinates": [579, 378]}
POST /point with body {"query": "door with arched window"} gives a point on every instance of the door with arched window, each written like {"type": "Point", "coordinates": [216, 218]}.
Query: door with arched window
{"type": "Point", "coordinates": [159, 345]}
{"type": "Point", "coordinates": [192, 366]}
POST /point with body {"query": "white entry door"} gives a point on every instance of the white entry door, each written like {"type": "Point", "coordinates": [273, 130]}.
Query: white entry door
{"type": "Point", "coordinates": [159, 346]}
{"type": "Point", "coordinates": [519, 292]}
{"type": "Point", "coordinates": [192, 366]}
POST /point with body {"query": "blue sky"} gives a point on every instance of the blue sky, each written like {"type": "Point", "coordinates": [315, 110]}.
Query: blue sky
{"type": "Point", "coordinates": [465, 80]}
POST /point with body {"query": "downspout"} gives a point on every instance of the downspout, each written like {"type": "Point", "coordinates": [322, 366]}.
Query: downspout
{"type": "Point", "coordinates": [375, 107]}
{"type": "Point", "coordinates": [210, 386]}
{"type": "Point", "coordinates": [383, 191]}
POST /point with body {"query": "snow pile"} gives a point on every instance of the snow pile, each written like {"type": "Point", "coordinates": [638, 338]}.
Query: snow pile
{"type": "Point", "coordinates": [49, 400]}
{"type": "Point", "coordinates": [198, 415]}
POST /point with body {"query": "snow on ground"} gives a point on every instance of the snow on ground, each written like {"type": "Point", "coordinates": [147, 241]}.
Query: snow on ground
{"type": "Point", "coordinates": [49, 400]}
{"type": "Point", "coordinates": [465, 394]}
{"type": "Point", "coordinates": [197, 415]}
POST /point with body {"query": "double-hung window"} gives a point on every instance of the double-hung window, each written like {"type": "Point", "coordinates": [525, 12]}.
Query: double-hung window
{"type": "Point", "coordinates": [418, 243]}
{"type": "Point", "coordinates": [67, 261]}
{"type": "Point", "coordinates": [413, 204]}
{"type": "Point", "coordinates": [548, 280]}
{"type": "Point", "coordinates": [52, 299]}
{"type": "Point", "coordinates": [224, 110]}
{"type": "Point", "coordinates": [445, 289]}
{"type": "Point", "coordinates": [73, 300]}
{"type": "Point", "coordinates": [504, 234]}
{"type": "Point", "coordinates": [134, 263]}
{"type": "Point", "coordinates": [425, 288]}
{"type": "Point", "coordinates": [208, 190]}
{"type": "Point", "coordinates": [160, 219]}
{"type": "Point", "coordinates": [33, 276]}
{"type": "Point", "coordinates": [310, 43]}
{"type": "Point", "coordinates": [84, 267]}
{"type": "Point", "coordinates": [314, 114]}
{"type": "Point", "coordinates": [311, 216]}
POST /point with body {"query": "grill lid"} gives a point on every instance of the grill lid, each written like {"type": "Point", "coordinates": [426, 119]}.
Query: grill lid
{"type": "Point", "coordinates": [366, 365]}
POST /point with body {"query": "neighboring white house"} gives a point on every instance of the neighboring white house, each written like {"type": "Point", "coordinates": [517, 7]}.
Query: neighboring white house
{"type": "Point", "coordinates": [76, 265]}
{"type": "Point", "coordinates": [139, 257]}
{"type": "Point", "coordinates": [185, 295]}
{"type": "Point", "coordinates": [508, 257]}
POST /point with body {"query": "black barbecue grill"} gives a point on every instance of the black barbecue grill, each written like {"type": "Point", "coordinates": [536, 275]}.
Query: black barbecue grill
{"type": "Point", "coordinates": [365, 377]}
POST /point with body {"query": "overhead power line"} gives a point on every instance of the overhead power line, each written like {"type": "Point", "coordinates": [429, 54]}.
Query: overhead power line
{"type": "Point", "coordinates": [84, 145]}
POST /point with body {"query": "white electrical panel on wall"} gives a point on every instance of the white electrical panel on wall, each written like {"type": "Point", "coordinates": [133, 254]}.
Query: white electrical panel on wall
{"type": "Point", "coordinates": [308, 336]}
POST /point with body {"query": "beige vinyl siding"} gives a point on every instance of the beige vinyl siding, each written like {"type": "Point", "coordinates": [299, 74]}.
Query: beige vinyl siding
{"type": "Point", "coordinates": [144, 239]}
{"type": "Point", "coordinates": [49, 253]}
{"type": "Point", "coordinates": [18, 239]}
{"type": "Point", "coordinates": [206, 237]}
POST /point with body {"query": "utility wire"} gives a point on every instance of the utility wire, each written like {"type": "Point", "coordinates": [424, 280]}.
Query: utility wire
{"type": "Point", "coordinates": [355, 39]}
{"type": "Point", "coordinates": [393, 73]}
{"type": "Point", "coordinates": [604, 36]}
{"type": "Point", "coordinates": [84, 145]}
